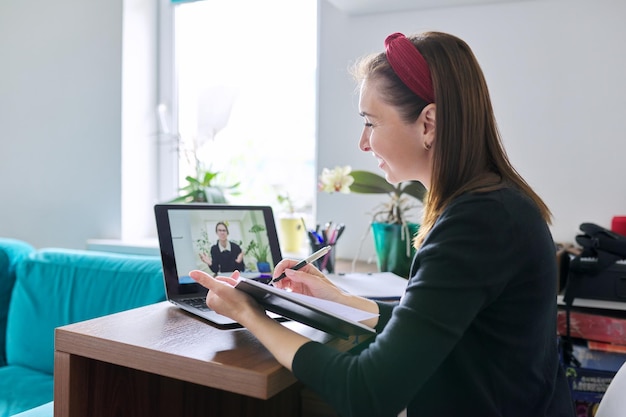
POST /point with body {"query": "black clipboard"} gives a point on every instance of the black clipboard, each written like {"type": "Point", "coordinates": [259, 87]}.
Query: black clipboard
{"type": "Point", "coordinates": [287, 305]}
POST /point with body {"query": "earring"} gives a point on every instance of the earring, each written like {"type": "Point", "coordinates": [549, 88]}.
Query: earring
{"type": "Point", "coordinates": [427, 146]}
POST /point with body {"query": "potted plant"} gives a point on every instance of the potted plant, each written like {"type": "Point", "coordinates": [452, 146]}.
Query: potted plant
{"type": "Point", "coordinates": [258, 249]}
{"type": "Point", "coordinates": [390, 227]}
{"type": "Point", "coordinates": [201, 189]}
{"type": "Point", "coordinates": [290, 225]}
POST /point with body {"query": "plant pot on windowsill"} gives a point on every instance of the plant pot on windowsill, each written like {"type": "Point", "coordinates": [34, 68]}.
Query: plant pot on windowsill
{"type": "Point", "coordinates": [200, 189]}
{"type": "Point", "coordinates": [291, 233]}
{"type": "Point", "coordinates": [291, 228]}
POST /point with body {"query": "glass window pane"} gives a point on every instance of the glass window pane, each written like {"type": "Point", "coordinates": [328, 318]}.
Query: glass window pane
{"type": "Point", "coordinates": [245, 81]}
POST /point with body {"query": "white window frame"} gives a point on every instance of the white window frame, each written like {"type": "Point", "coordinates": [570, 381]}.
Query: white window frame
{"type": "Point", "coordinates": [167, 165]}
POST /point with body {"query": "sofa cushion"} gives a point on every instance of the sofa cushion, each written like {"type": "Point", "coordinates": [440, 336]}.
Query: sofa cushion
{"type": "Point", "coordinates": [46, 410]}
{"type": "Point", "coordinates": [23, 389]}
{"type": "Point", "coordinates": [55, 287]}
{"type": "Point", "coordinates": [11, 252]}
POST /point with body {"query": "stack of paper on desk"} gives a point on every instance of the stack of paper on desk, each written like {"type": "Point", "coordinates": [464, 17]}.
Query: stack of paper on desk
{"type": "Point", "coordinates": [377, 286]}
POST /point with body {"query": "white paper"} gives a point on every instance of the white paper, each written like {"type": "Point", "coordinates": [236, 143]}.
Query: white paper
{"type": "Point", "coordinates": [337, 309]}
{"type": "Point", "coordinates": [378, 285]}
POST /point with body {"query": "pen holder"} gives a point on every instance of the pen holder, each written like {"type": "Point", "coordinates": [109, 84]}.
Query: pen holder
{"type": "Point", "coordinates": [327, 262]}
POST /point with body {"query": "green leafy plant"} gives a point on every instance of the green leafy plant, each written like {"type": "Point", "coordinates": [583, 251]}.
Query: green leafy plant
{"type": "Point", "coordinates": [258, 250]}
{"type": "Point", "coordinates": [201, 189]}
{"type": "Point", "coordinates": [203, 243]}
{"type": "Point", "coordinates": [285, 201]}
{"type": "Point", "coordinates": [404, 196]}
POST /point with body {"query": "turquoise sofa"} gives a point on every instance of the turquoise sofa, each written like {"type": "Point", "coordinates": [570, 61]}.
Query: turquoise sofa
{"type": "Point", "coordinates": [41, 289]}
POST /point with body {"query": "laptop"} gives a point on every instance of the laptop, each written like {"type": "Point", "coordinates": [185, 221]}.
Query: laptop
{"type": "Point", "coordinates": [188, 240]}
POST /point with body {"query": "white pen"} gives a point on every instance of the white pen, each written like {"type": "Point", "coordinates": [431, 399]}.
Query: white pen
{"type": "Point", "coordinates": [304, 262]}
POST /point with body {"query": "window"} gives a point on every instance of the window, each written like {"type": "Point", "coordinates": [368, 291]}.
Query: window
{"type": "Point", "coordinates": [243, 75]}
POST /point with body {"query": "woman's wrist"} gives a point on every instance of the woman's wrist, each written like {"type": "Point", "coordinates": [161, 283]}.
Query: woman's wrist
{"type": "Point", "coordinates": [252, 315]}
{"type": "Point", "coordinates": [358, 302]}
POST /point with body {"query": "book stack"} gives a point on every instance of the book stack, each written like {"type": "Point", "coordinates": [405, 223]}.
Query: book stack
{"type": "Point", "coordinates": [597, 331]}
{"type": "Point", "coordinates": [590, 380]}
{"type": "Point", "coordinates": [592, 314]}
{"type": "Point", "coordinates": [601, 324]}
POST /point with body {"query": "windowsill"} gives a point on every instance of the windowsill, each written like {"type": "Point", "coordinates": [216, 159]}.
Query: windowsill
{"type": "Point", "coordinates": [148, 247]}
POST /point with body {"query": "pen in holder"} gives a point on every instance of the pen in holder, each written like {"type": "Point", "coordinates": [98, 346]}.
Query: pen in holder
{"type": "Point", "coordinates": [321, 237]}
{"type": "Point", "coordinates": [327, 262]}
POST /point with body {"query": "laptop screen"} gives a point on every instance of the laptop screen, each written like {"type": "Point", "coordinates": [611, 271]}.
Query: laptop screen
{"type": "Point", "coordinates": [216, 239]}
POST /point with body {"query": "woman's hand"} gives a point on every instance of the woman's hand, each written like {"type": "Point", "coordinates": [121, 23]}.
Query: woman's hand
{"type": "Point", "coordinates": [307, 280]}
{"type": "Point", "coordinates": [310, 281]}
{"type": "Point", "coordinates": [224, 299]}
{"type": "Point", "coordinates": [206, 259]}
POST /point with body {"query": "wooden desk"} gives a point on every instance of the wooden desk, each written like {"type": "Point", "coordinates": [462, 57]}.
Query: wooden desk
{"type": "Point", "coordinates": [161, 361]}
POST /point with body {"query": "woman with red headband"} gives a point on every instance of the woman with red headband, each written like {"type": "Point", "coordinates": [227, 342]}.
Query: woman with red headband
{"type": "Point", "coordinates": [475, 332]}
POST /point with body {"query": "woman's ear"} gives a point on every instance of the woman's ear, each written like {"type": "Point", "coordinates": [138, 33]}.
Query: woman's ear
{"type": "Point", "coordinates": [428, 117]}
{"type": "Point", "coordinates": [426, 125]}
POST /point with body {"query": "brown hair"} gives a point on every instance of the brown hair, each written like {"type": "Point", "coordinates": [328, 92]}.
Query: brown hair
{"type": "Point", "coordinates": [223, 224]}
{"type": "Point", "coordinates": [468, 150]}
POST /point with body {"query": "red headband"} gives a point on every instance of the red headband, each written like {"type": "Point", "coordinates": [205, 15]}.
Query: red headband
{"type": "Point", "coordinates": [410, 66]}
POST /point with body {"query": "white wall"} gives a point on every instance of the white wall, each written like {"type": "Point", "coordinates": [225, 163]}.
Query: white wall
{"type": "Point", "coordinates": [555, 69]}
{"type": "Point", "coordinates": [61, 119]}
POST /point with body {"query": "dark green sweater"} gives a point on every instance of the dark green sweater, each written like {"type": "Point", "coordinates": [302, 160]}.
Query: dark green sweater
{"type": "Point", "coordinates": [474, 334]}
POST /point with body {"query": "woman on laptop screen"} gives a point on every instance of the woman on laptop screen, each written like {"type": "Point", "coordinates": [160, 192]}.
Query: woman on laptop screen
{"type": "Point", "coordinates": [226, 256]}
{"type": "Point", "coordinates": [475, 332]}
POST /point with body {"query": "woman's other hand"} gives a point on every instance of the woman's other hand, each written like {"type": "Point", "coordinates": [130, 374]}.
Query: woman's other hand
{"type": "Point", "coordinates": [224, 299]}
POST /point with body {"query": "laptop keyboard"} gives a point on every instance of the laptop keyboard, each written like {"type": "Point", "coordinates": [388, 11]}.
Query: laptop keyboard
{"type": "Point", "coordinates": [199, 303]}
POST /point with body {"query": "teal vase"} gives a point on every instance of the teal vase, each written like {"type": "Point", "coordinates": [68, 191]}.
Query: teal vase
{"type": "Point", "coordinates": [394, 247]}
